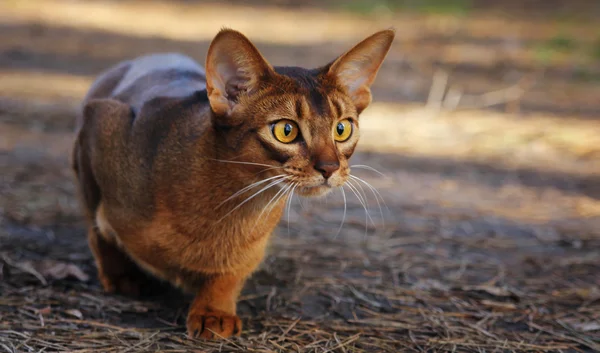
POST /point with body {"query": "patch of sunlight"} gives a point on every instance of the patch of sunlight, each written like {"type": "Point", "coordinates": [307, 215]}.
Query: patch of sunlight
{"type": "Point", "coordinates": [51, 144]}
{"type": "Point", "coordinates": [25, 84]}
{"type": "Point", "coordinates": [538, 141]}
{"type": "Point", "coordinates": [191, 21]}
{"type": "Point", "coordinates": [509, 199]}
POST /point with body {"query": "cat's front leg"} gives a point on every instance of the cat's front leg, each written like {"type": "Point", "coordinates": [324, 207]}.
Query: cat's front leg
{"type": "Point", "coordinates": [212, 314]}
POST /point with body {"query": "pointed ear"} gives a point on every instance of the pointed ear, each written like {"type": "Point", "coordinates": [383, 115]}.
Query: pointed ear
{"type": "Point", "coordinates": [357, 68]}
{"type": "Point", "coordinates": [234, 67]}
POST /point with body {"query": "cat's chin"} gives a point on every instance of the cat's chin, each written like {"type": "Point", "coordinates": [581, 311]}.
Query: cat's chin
{"type": "Point", "coordinates": [314, 191]}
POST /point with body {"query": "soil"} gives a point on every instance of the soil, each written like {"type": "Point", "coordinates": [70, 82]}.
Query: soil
{"type": "Point", "coordinates": [460, 251]}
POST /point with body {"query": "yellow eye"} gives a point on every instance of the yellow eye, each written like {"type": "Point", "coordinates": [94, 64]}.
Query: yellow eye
{"type": "Point", "coordinates": [285, 131]}
{"type": "Point", "coordinates": [343, 130]}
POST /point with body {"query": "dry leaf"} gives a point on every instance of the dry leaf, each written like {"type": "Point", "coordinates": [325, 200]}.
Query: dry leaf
{"type": "Point", "coordinates": [429, 284]}
{"type": "Point", "coordinates": [590, 294]}
{"type": "Point", "coordinates": [74, 312]}
{"type": "Point", "coordinates": [499, 305]}
{"type": "Point", "coordinates": [495, 291]}
{"type": "Point", "coordinates": [586, 326]}
{"type": "Point", "coordinates": [61, 270]}
{"type": "Point", "coordinates": [25, 266]}
{"type": "Point", "coordinates": [45, 311]}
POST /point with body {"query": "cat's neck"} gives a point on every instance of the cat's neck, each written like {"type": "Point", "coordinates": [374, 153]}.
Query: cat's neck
{"type": "Point", "coordinates": [240, 196]}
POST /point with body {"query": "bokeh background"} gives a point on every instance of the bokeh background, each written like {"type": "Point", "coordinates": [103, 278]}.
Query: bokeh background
{"type": "Point", "coordinates": [485, 128]}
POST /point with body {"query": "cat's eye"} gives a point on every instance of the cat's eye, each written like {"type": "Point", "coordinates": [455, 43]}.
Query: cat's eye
{"type": "Point", "coordinates": [342, 130]}
{"type": "Point", "coordinates": [285, 131]}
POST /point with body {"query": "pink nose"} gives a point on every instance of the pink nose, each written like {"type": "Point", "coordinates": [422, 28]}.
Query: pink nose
{"type": "Point", "coordinates": [327, 168]}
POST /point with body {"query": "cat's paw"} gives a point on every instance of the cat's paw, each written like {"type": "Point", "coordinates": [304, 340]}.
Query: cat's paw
{"type": "Point", "coordinates": [213, 324]}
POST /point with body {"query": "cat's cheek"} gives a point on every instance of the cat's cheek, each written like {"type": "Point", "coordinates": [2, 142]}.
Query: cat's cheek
{"type": "Point", "coordinates": [347, 149]}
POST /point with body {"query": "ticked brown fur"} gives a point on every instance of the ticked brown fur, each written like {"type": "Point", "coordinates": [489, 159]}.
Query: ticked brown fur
{"type": "Point", "coordinates": [162, 145]}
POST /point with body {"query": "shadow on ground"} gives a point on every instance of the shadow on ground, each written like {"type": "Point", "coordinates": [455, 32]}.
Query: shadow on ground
{"type": "Point", "coordinates": [464, 255]}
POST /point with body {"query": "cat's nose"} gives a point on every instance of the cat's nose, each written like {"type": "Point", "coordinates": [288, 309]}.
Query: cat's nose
{"type": "Point", "coordinates": [327, 168]}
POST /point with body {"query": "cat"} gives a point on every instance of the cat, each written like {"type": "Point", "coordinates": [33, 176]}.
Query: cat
{"type": "Point", "coordinates": [184, 171]}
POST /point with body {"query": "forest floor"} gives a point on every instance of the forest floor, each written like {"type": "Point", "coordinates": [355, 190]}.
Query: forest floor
{"type": "Point", "coordinates": [489, 238]}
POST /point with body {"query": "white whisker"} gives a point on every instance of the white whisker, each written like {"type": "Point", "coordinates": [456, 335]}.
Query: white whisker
{"type": "Point", "coordinates": [273, 183]}
{"type": "Point", "coordinates": [281, 193]}
{"type": "Point", "coordinates": [362, 191]}
{"type": "Point", "coordinates": [264, 170]}
{"type": "Point", "coordinates": [362, 200]}
{"type": "Point", "coordinates": [250, 187]}
{"type": "Point", "coordinates": [344, 216]}
{"type": "Point", "coordinates": [289, 205]}
{"type": "Point", "coordinates": [284, 192]}
{"type": "Point", "coordinates": [363, 203]}
{"type": "Point", "coordinates": [242, 162]}
{"type": "Point", "coordinates": [362, 166]}
{"type": "Point", "coordinates": [301, 204]}
{"type": "Point", "coordinates": [377, 195]}
{"type": "Point", "coordinates": [366, 220]}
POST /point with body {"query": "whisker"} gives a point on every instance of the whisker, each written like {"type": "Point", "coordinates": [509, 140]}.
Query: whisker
{"type": "Point", "coordinates": [276, 199]}
{"type": "Point", "coordinates": [344, 216]}
{"type": "Point", "coordinates": [365, 200]}
{"type": "Point", "coordinates": [366, 220]}
{"type": "Point", "coordinates": [264, 170]}
{"type": "Point", "coordinates": [362, 192]}
{"type": "Point", "coordinates": [250, 187]}
{"type": "Point", "coordinates": [242, 162]}
{"type": "Point", "coordinates": [362, 200]}
{"type": "Point", "coordinates": [301, 204]}
{"type": "Point", "coordinates": [289, 206]}
{"type": "Point", "coordinates": [281, 180]}
{"type": "Point", "coordinates": [362, 166]}
{"type": "Point", "coordinates": [285, 192]}
{"type": "Point", "coordinates": [377, 195]}
{"type": "Point", "coordinates": [371, 187]}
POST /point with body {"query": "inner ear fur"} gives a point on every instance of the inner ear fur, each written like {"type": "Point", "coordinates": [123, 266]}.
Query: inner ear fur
{"type": "Point", "coordinates": [234, 67]}
{"type": "Point", "coordinates": [357, 69]}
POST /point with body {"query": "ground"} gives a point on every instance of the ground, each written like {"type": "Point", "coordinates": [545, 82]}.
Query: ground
{"type": "Point", "coordinates": [486, 234]}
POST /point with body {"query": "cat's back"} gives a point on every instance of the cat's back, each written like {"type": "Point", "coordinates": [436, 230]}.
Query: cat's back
{"type": "Point", "coordinates": [140, 80]}
{"type": "Point", "coordinates": [167, 94]}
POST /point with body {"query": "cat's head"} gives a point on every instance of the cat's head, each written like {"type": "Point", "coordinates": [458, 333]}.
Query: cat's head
{"type": "Point", "coordinates": [304, 123]}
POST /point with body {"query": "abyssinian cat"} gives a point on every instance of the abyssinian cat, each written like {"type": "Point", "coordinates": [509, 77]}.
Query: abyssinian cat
{"type": "Point", "coordinates": [184, 172]}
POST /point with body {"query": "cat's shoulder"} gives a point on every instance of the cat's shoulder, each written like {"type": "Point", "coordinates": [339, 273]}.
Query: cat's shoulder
{"type": "Point", "coordinates": [159, 68]}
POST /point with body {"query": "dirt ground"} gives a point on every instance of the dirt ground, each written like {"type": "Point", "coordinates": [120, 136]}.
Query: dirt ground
{"type": "Point", "coordinates": [487, 238]}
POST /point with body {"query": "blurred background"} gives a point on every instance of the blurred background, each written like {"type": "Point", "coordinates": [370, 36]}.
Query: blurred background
{"type": "Point", "coordinates": [485, 125]}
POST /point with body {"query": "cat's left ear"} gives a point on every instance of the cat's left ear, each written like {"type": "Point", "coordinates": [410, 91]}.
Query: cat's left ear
{"type": "Point", "coordinates": [357, 68]}
{"type": "Point", "coordinates": [234, 68]}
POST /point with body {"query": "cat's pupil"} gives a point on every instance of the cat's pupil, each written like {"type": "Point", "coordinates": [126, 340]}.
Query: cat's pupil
{"type": "Point", "coordinates": [287, 130]}
{"type": "Point", "coordinates": [340, 128]}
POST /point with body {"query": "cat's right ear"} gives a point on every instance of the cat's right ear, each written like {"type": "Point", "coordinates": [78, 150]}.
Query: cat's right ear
{"type": "Point", "coordinates": [357, 68]}
{"type": "Point", "coordinates": [234, 67]}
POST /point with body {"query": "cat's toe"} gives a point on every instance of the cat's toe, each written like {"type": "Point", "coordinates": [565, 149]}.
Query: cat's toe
{"type": "Point", "coordinates": [213, 324]}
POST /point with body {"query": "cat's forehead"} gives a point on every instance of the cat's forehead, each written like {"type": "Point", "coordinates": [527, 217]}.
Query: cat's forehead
{"type": "Point", "coordinates": [312, 93]}
{"type": "Point", "coordinates": [304, 78]}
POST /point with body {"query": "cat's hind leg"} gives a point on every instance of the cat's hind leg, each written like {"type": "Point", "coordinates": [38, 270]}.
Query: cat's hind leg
{"type": "Point", "coordinates": [116, 271]}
